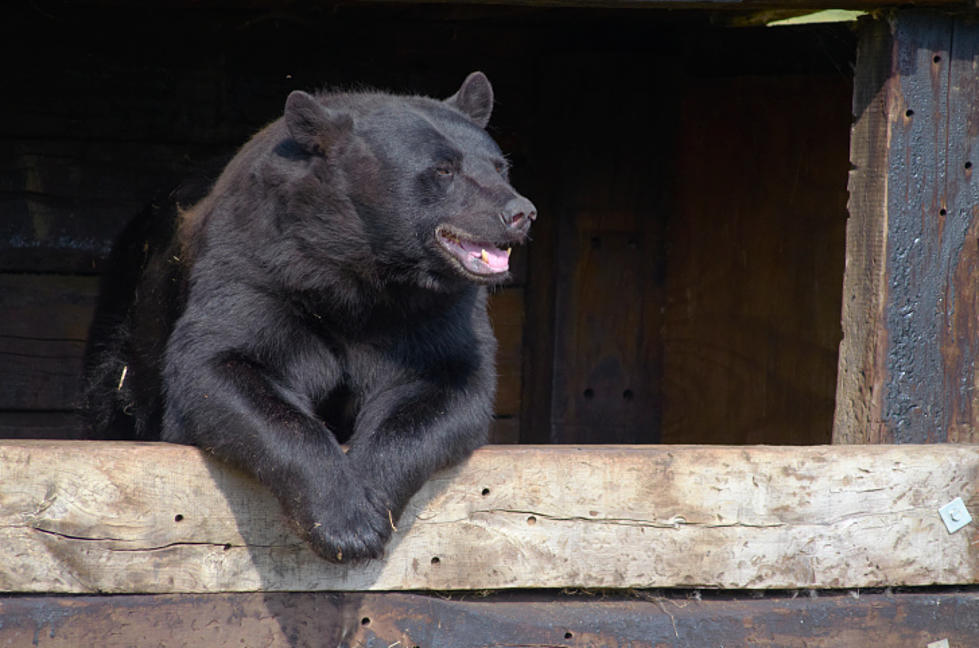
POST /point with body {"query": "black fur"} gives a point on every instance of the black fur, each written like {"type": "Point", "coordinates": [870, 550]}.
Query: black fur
{"type": "Point", "coordinates": [315, 297]}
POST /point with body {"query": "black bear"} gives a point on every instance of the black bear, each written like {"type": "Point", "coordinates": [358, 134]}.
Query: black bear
{"type": "Point", "coordinates": [330, 288]}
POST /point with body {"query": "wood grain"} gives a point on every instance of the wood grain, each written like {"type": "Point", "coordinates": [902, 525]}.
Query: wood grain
{"type": "Point", "coordinates": [909, 362]}
{"type": "Point", "coordinates": [88, 517]}
{"type": "Point", "coordinates": [557, 620]}
{"type": "Point", "coordinates": [755, 261]}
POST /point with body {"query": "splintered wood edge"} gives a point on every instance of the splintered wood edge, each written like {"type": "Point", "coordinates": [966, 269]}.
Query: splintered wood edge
{"type": "Point", "coordinates": [83, 516]}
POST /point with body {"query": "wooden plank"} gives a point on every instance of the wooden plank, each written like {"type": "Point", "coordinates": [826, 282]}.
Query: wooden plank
{"type": "Point", "coordinates": [64, 203]}
{"type": "Point", "coordinates": [506, 309]}
{"type": "Point", "coordinates": [83, 517]}
{"type": "Point", "coordinates": [755, 268]}
{"type": "Point", "coordinates": [43, 425]}
{"type": "Point", "coordinates": [714, 5]}
{"type": "Point", "coordinates": [909, 363]}
{"type": "Point", "coordinates": [43, 333]}
{"type": "Point", "coordinates": [376, 620]}
{"type": "Point", "coordinates": [610, 256]}
{"type": "Point", "coordinates": [42, 339]}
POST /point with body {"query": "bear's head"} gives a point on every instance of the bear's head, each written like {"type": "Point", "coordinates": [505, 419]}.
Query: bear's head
{"type": "Point", "coordinates": [416, 180]}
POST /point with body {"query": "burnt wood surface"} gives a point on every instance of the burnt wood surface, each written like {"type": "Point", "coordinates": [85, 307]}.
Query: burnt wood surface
{"type": "Point", "coordinates": [646, 619]}
{"type": "Point", "coordinates": [909, 362]}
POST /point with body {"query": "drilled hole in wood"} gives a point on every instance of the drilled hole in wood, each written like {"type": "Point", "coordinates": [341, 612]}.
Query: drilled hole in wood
{"type": "Point", "coordinates": [365, 621]}
{"type": "Point", "coordinates": [486, 492]}
{"type": "Point", "coordinates": [968, 165]}
{"type": "Point", "coordinates": [568, 635]}
{"type": "Point", "coordinates": [589, 393]}
{"type": "Point", "coordinates": [937, 58]}
{"type": "Point", "coordinates": [227, 547]}
{"type": "Point", "coordinates": [627, 395]}
{"type": "Point", "coordinates": [178, 518]}
{"type": "Point", "coordinates": [908, 112]}
{"type": "Point", "coordinates": [942, 212]}
{"type": "Point", "coordinates": [531, 520]}
{"type": "Point", "coordinates": [436, 561]}
{"type": "Point", "coordinates": [596, 242]}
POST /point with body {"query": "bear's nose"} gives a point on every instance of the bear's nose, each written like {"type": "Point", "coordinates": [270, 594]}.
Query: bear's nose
{"type": "Point", "coordinates": [518, 213]}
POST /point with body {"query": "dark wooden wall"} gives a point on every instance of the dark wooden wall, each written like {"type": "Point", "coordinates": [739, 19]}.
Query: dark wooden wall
{"type": "Point", "coordinates": [684, 279]}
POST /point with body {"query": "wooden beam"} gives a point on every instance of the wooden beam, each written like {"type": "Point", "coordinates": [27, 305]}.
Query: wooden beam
{"type": "Point", "coordinates": [81, 517]}
{"type": "Point", "coordinates": [909, 360]}
{"type": "Point", "coordinates": [644, 620]}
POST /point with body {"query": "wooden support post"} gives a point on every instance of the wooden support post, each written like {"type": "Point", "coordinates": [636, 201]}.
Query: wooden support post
{"type": "Point", "coordinates": [909, 360]}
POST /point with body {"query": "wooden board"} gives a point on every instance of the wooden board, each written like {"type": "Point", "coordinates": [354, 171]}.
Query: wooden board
{"type": "Point", "coordinates": [608, 263]}
{"type": "Point", "coordinates": [82, 517]}
{"type": "Point", "coordinates": [376, 620]}
{"type": "Point", "coordinates": [755, 262]}
{"type": "Point", "coordinates": [909, 361]}
{"type": "Point", "coordinates": [42, 339]}
{"type": "Point", "coordinates": [45, 325]}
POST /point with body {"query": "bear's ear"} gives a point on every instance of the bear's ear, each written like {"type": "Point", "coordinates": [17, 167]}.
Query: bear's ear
{"type": "Point", "coordinates": [475, 98]}
{"type": "Point", "coordinates": [315, 127]}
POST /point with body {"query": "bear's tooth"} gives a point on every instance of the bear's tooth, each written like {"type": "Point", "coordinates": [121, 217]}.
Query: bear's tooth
{"type": "Point", "coordinates": [484, 255]}
{"type": "Point", "coordinates": [508, 251]}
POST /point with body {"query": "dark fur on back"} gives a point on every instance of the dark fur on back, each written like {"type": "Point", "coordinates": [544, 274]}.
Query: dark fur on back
{"type": "Point", "coordinates": [330, 288]}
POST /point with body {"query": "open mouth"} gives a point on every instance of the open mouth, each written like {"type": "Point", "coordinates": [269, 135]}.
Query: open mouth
{"type": "Point", "coordinates": [476, 258]}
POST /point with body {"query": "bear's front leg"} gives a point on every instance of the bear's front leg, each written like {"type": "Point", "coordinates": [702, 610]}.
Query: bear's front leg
{"type": "Point", "coordinates": [406, 433]}
{"type": "Point", "coordinates": [234, 408]}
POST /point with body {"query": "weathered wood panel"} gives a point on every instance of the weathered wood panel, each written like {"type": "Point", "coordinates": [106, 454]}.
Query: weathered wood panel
{"type": "Point", "coordinates": [607, 364]}
{"type": "Point", "coordinates": [755, 261]}
{"type": "Point", "coordinates": [42, 338]}
{"type": "Point", "coordinates": [374, 620]}
{"type": "Point", "coordinates": [909, 361]}
{"type": "Point", "coordinates": [124, 518]}
{"type": "Point", "coordinates": [46, 321]}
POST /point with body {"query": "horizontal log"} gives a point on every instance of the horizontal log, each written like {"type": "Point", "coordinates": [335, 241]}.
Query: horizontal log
{"type": "Point", "coordinates": [285, 620]}
{"type": "Point", "coordinates": [80, 517]}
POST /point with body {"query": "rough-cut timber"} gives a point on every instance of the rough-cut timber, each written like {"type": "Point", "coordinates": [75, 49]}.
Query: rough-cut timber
{"type": "Point", "coordinates": [125, 518]}
{"type": "Point", "coordinates": [645, 620]}
{"type": "Point", "coordinates": [909, 360]}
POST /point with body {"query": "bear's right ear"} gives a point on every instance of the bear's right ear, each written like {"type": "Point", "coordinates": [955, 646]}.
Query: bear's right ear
{"type": "Point", "coordinates": [312, 125]}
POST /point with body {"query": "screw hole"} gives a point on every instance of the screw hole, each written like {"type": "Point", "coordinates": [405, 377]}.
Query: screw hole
{"type": "Point", "coordinates": [365, 621]}
{"type": "Point", "coordinates": [436, 561]}
{"type": "Point", "coordinates": [531, 520]}
{"type": "Point", "coordinates": [627, 394]}
{"type": "Point", "coordinates": [568, 635]}
{"type": "Point", "coordinates": [908, 113]}
{"type": "Point", "coordinates": [178, 518]}
{"type": "Point", "coordinates": [937, 58]}
{"type": "Point", "coordinates": [942, 212]}
{"type": "Point", "coordinates": [968, 165]}
{"type": "Point", "coordinates": [486, 492]}
{"type": "Point", "coordinates": [227, 547]}
{"type": "Point", "coordinates": [589, 393]}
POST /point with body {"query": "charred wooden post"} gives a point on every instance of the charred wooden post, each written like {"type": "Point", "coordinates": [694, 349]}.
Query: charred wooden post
{"type": "Point", "coordinates": [909, 360]}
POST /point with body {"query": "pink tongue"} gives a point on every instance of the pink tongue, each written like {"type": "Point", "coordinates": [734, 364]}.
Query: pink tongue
{"type": "Point", "coordinates": [495, 258]}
